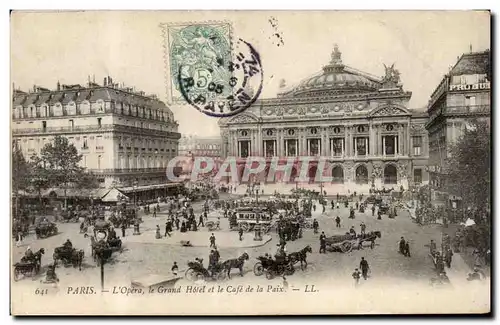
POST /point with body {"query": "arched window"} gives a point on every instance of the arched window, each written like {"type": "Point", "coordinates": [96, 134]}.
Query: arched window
{"type": "Point", "coordinates": [85, 107]}
{"type": "Point", "coordinates": [337, 175]}
{"type": "Point", "coordinates": [390, 174]}
{"type": "Point", "coordinates": [336, 130]}
{"type": "Point", "coordinates": [71, 108]}
{"type": "Point", "coordinates": [361, 175]}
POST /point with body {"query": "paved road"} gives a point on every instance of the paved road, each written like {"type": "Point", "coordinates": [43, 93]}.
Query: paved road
{"type": "Point", "coordinates": [138, 259]}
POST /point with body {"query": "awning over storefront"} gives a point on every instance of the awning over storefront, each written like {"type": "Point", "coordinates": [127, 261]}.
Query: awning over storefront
{"type": "Point", "coordinates": [132, 189]}
{"type": "Point", "coordinates": [114, 195]}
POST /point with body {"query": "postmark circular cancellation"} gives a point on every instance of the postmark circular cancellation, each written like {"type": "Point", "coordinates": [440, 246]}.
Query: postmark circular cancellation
{"type": "Point", "coordinates": [213, 78]}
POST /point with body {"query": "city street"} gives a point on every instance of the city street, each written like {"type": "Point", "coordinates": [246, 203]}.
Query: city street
{"type": "Point", "coordinates": [156, 256]}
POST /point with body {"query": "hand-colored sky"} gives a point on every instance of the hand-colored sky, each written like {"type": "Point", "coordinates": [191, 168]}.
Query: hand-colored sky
{"type": "Point", "coordinates": [47, 47]}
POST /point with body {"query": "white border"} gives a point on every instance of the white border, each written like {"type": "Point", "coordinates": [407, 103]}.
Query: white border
{"type": "Point", "coordinates": [148, 4]}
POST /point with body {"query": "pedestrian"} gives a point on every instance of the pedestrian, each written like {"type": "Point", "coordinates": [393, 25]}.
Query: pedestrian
{"type": "Point", "coordinates": [154, 211]}
{"type": "Point", "coordinates": [201, 221]}
{"type": "Point", "coordinates": [379, 215]}
{"type": "Point", "coordinates": [337, 220]}
{"type": "Point", "coordinates": [167, 228]}
{"type": "Point", "coordinates": [175, 268]}
{"type": "Point", "coordinates": [216, 255]}
{"type": "Point", "coordinates": [158, 234]}
{"type": "Point", "coordinates": [240, 232]}
{"type": "Point", "coordinates": [352, 231]}
{"type": "Point", "coordinates": [323, 209]}
{"type": "Point", "coordinates": [432, 247]}
{"type": "Point", "coordinates": [448, 257]}
{"type": "Point", "coordinates": [177, 221]}
{"type": "Point", "coordinates": [315, 226]}
{"type": "Point", "coordinates": [357, 205]}
{"type": "Point", "coordinates": [356, 275]}
{"type": "Point", "coordinates": [332, 204]}
{"type": "Point", "coordinates": [402, 246]}
{"type": "Point", "coordinates": [363, 265]}
{"type": "Point", "coordinates": [212, 240]}
{"type": "Point", "coordinates": [314, 207]}
{"type": "Point", "coordinates": [123, 229]}
{"type": "Point", "coordinates": [338, 205]}
{"type": "Point", "coordinates": [363, 228]}
{"type": "Point", "coordinates": [322, 243]}
{"type": "Point", "coordinates": [373, 209]}
{"type": "Point", "coordinates": [407, 248]}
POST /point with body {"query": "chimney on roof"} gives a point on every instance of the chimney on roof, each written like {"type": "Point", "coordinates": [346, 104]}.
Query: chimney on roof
{"type": "Point", "coordinates": [58, 85]}
{"type": "Point", "coordinates": [34, 88]}
{"type": "Point", "coordinates": [105, 82]}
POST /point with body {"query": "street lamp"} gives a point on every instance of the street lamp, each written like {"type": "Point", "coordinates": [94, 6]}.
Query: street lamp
{"type": "Point", "coordinates": [135, 193]}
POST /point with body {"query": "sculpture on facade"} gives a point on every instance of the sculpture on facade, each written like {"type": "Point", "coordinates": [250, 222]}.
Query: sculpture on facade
{"type": "Point", "coordinates": [403, 169]}
{"type": "Point", "coordinates": [391, 78]}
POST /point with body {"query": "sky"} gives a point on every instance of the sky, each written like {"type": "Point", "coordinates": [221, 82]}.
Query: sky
{"type": "Point", "coordinates": [70, 46]}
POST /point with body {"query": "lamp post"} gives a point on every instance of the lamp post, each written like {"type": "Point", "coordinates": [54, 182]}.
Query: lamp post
{"type": "Point", "coordinates": [135, 194]}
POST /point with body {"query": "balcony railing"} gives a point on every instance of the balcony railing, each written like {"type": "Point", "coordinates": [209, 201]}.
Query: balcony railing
{"type": "Point", "coordinates": [97, 128]}
{"type": "Point", "coordinates": [128, 170]}
{"type": "Point", "coordinates": [474, 109]}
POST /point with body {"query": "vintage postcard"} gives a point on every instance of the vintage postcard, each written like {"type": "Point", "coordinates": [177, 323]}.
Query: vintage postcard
{"type": "Point", "coordinates": [250, 162]}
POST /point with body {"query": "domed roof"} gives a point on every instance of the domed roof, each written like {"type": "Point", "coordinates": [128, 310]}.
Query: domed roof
{"type": "Point", "coordinates": [335, 78]}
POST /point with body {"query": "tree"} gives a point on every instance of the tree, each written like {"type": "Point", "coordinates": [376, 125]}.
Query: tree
{"type": "Point", "coordinates": [60, 158]}
{"type": "Point", "coordinates": [469, 166]}
{"type": "Point", "coordinates": [40, 176]}
{"type": "Point", "coordinates": [20, 173]}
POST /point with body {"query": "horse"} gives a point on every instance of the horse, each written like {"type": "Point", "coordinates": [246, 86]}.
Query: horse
{"type": "Point", "coordinates": [36, 258]}
{"type": "Point", "coordinates": [300, 256]}
{"type": "Point", "coordinates": [235, 263]}
{"type": "Point", "coordinates": [371, 236]}
{"type": "Point", "coordinates": [73, 256]}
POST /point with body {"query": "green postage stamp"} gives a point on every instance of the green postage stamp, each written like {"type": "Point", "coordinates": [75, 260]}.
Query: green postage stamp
{"type": "Point", "coordinates": [200, 51]}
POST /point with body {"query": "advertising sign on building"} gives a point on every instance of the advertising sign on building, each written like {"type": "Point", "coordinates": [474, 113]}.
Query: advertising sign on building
{"type": "Point", "coordinates": [478, 86]}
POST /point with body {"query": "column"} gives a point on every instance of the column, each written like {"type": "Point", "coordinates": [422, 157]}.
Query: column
{"type": "Point", "coordinates": [296, 147]}
{"type": "Point", "coordinates": [400, 140]}
{"type": "Point", "coordinates": [355, 147]}
{"type": "Point", "coordinates": [308, 145]}
{"type": "Point", "coordinates": [274, 148]}
{"type": "Point", "coordinates": [366, 146]}
{"type": "Point", "coordinates": [239, 149]}
{"type": "Point", "coordinates": [380, 141]}
{"type": "Point", "coordinates": [383, 145]}
{"type": "Point", "coordinates": [331, 147]}
{"type": "Point", "coordinates": [343, 147]}
{"type": "Point", "coordinates": [346, 140]}
{"type": "Point", "coordinates": [323, 140]}
{"type": "Point", "coordinates": [286, 148]}
{"type": "Point", "coordinates": [408, 138]}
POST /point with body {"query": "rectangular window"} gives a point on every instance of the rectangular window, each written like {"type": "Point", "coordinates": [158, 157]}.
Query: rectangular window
{"type": "Point", "coordinates": [337, 147]}
{"type": "Point", "coordinates": [269, 148]}
{"type": "Point", "coordinates": [98, 142]}
{"type": "Point", "coordinates": [44, 126]}
{"type": "Point", "coordinates": [417, 145]}
{"type": "Point", "coordinates": [71, 124]}
{"type": "Point", "coordinates": [417, 176]}
{"type": "Point", "coordinates": [99, 122]}
{"type": "Point", "coordinates": [314, 147]}
{"type": "Point", "coordinates": [470, 101]}
{"type": "Point", "coordinates": [244, 148]}
{"type": "Point", "coordinates": [361, 146]}
{"type": "Point", "coordinates": [85, 143]}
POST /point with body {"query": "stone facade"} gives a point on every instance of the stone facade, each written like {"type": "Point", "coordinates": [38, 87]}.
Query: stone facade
{"type": "Point", "coordinates": [359, 122]}
{"type": "Point", "coordinates": [125, 137]}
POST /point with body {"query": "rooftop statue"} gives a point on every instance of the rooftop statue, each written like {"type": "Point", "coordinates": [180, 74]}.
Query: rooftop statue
{"type": "Point", "coordinates": [391, 78]}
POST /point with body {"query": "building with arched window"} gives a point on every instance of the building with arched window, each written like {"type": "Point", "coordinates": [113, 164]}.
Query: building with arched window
{"type": "Point", "coordinates": [359, 122]}
{"type": "Point", "coordinates": [117, 130]}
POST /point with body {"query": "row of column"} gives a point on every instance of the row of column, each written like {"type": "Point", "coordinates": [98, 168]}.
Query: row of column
{"type": "Point", "coordinates": [374, 146]}
{"type": "Point", "coordinates": [248, 147]}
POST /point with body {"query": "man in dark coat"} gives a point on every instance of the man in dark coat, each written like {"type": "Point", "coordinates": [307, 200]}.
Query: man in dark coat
{"type": "Point", "coordinates": [322, 243]}
{"type": "Point", "coordinates": [337, 220]}
{"type": "Point", "coordinates": [402, 246]}
{"type": "Point", "coordinates": [363, 265]}
{"type": "Point", "coordinates": [212, 240]}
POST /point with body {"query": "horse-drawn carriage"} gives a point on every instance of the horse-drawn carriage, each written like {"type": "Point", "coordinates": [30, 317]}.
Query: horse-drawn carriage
{"type": "Point", "coordinates": [213, 225]}
{"type": "Point", "coordinates": [29, 265]}
{"type": "Point", "coordinates": [69, 256]}
{"type": "Point", "coordinates": [273, 267]}
{"type": "Point", "coordinates": [196, 271]}
{"type": "Point", "coordinates": [71, 216]}
{"type": "Point", "coordinates": [45, 229]}
{"type": "Point", "coordinates": [346, 243]}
